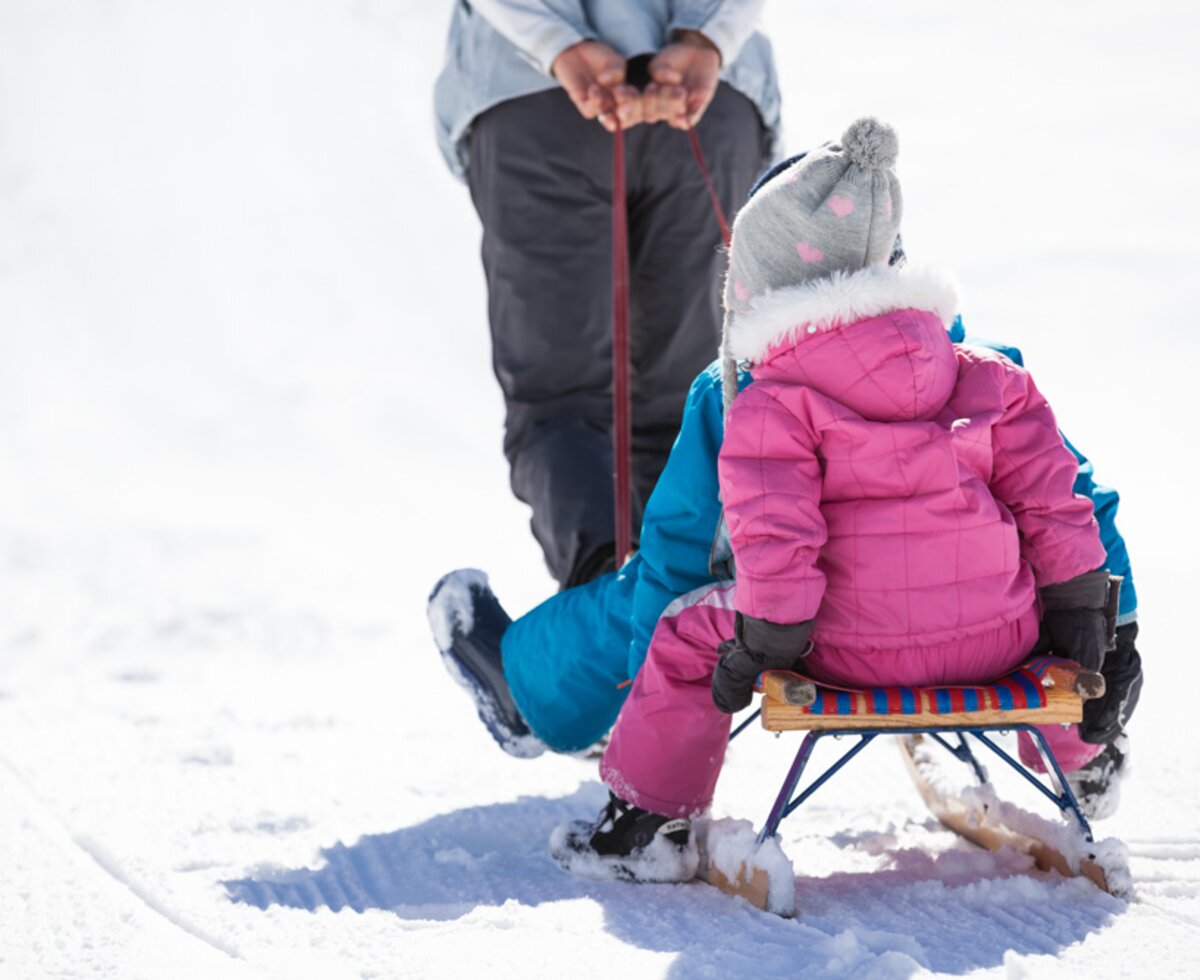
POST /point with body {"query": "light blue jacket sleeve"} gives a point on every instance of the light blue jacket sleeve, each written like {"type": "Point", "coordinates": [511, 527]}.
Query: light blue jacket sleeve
{"type": "Point", "coordinates": [727, 23]}
{"type": "Point", "coordinates": [541, 29]}
{"type": "Point", "coordinates": [681, 516]}
{"type": "Point", "coordinates": [1105, 500]}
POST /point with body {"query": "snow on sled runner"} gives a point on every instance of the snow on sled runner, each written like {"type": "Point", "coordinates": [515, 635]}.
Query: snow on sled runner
{"type": "Point", "coordinates": [973, 811]}
{"type": "Point", "coordinates": [1045, 690]}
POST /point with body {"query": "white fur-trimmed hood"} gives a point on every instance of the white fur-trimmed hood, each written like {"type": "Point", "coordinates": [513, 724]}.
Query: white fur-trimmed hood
{"type": "Point", "coordinates": [783, 314]}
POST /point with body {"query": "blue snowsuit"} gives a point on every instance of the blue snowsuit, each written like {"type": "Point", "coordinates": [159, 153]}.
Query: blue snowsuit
{"type": "Point", "coordinates": [569, 659]}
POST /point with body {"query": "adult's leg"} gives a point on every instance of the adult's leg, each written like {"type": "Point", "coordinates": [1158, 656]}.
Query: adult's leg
{"type": "Point", "coordinates": [540, 178]}
{"type": "Point", "coordinates": [677, 263]}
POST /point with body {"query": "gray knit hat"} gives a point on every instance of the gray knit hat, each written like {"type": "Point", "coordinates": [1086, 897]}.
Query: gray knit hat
{"type": "Point", "coordinates": [835, 210]}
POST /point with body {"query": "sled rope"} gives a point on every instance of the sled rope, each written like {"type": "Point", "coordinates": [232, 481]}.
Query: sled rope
{"type": "Point", "coordinates": [622, 422]}
{"type": "Point", "coordinates": [718, 211]}
{"type": "Point", "coordinates": [622, 404]}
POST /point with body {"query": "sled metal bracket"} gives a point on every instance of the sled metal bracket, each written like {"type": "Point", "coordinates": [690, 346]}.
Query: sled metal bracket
{"type": "Point", "coordinates": [1064, 799]}
{"type": "Point", "coordinates": [787, 801]}
{"type": "Point", "coordinates": [784, 804]}
{"type": "Point", "coordinates": [962, 752]}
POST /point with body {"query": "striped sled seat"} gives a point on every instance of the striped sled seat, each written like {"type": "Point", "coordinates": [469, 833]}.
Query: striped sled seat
{"type": "Point", "coordinates": [1045, 690]}
{"type": "Point", "coordinates": [1042, 691]}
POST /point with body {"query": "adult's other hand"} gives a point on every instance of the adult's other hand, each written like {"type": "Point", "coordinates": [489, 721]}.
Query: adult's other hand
{"type": "Point", "coordinates": [684, 78]}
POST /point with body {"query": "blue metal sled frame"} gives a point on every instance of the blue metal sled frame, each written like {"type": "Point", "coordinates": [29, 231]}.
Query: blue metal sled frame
{"type": "Point", "coordinates": [1064, 799]}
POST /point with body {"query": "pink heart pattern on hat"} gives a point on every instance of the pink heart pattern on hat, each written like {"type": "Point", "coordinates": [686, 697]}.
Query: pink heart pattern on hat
{"type": "Point", "coordinates": [741, 290]}
{"type": "Point", "coordinates": [808, 253]}
{"type": "Point", "coordinates": [841, 206]}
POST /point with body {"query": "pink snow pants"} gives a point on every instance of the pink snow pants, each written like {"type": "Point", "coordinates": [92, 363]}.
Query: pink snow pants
{"type": "Point", "coordinates": [668, 745]}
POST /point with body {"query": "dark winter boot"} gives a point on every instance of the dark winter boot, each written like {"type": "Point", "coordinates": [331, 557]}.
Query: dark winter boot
{"type": "Point", "coordinates": [468, 623]}
{"type": "Point", "coordinates": [627, 843]}
{"type": "Point", "coordinates": [1097, 786]}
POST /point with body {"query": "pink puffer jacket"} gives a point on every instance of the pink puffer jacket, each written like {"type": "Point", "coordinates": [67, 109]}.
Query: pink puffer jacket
{"type": "Point", "coordinates": [901, 490]}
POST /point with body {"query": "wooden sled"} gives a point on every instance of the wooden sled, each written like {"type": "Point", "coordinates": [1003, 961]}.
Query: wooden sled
{"type": "Point", "coordinates": [1043, 691]}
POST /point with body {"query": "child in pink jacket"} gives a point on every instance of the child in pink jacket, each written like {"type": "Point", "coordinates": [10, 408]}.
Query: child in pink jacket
{"type": "Point", "coordinates": [900, 507]}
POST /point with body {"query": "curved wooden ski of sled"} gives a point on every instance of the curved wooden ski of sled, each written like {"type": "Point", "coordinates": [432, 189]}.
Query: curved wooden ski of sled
{"type": "Point", "coordinates": [752, 884]}
{"type": "Point", "coordinates": [976, 822]}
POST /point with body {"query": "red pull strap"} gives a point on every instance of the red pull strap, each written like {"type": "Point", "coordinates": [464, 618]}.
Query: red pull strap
{"type": "Point", "coordinates": [622, 430]}
{"type": "Point", "coordinates": [694, 139]}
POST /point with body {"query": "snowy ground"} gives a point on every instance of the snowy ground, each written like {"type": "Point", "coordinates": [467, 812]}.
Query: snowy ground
{"type": "Point", "coordinates": [246, 420]}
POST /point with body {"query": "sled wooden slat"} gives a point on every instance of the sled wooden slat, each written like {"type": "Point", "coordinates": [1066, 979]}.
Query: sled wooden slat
{"type": "Point", "coordinates": [1062, 706]}
{"type": "Point", "coordinates": [788, 688]}
{"type": "Point", "coordinates": [1070, 676]}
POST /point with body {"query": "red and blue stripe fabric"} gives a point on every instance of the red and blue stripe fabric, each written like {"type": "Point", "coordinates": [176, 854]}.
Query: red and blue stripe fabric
{"type": "Point", "coordinates": [1021, 690]}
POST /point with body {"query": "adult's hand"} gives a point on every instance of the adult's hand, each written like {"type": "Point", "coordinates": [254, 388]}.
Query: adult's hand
{"type": "Point", "coordinates": [684, 78]}
{"type": "Point", "coordinates": [593, 75]}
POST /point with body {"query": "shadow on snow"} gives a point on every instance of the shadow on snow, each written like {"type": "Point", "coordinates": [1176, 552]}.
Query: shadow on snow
{"type": "Point", "coordinates": [950, 914]}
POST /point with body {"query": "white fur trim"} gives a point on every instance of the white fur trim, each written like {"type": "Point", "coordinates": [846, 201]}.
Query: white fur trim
{"type": "Point", "coordinates": [781, 315]}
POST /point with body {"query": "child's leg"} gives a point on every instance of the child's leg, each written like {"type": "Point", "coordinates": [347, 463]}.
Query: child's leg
{"type": "Point", "coordinates": [1069, 749]}
{"type": "Point", "coordinates": [565, 659]}
{"type": "Point", "coordinates": [669, 742]}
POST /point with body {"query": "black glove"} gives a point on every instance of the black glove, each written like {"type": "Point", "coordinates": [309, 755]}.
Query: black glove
{"type": "Point", "coordinates": [1074, 625]}
{"type": "Point", "coordinates": [1104, 718]}
{"type": "Point", "coordinates": [757, 645]}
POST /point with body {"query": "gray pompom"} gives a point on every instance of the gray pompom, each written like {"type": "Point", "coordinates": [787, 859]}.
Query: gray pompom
{"type": "Point", "coordinates": [871, 144]}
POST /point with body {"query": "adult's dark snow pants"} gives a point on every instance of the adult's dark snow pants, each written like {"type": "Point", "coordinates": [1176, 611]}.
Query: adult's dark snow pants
{"type": "Point", "coordinates": [541, 180]}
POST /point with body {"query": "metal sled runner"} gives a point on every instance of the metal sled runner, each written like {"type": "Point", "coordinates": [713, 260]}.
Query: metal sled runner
{"type": "Point", "coordinates": [1043, 691]}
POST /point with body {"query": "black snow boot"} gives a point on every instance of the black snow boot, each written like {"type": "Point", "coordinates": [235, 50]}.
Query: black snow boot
{"type": "Point", "coordinates": [1097, 786]}
{"type": "Point", "coordinates": [627, 843]}
{"type": "Point", "coordinates": [468, 623]}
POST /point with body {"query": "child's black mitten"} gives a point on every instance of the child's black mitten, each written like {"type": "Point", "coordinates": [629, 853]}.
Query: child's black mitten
{"type": "Point", "coordinates": [1074, 622]}
{"type": "Point", "coordinates": [757, 645]}
{"type": "Point", "coordinates": [1104, 718]}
